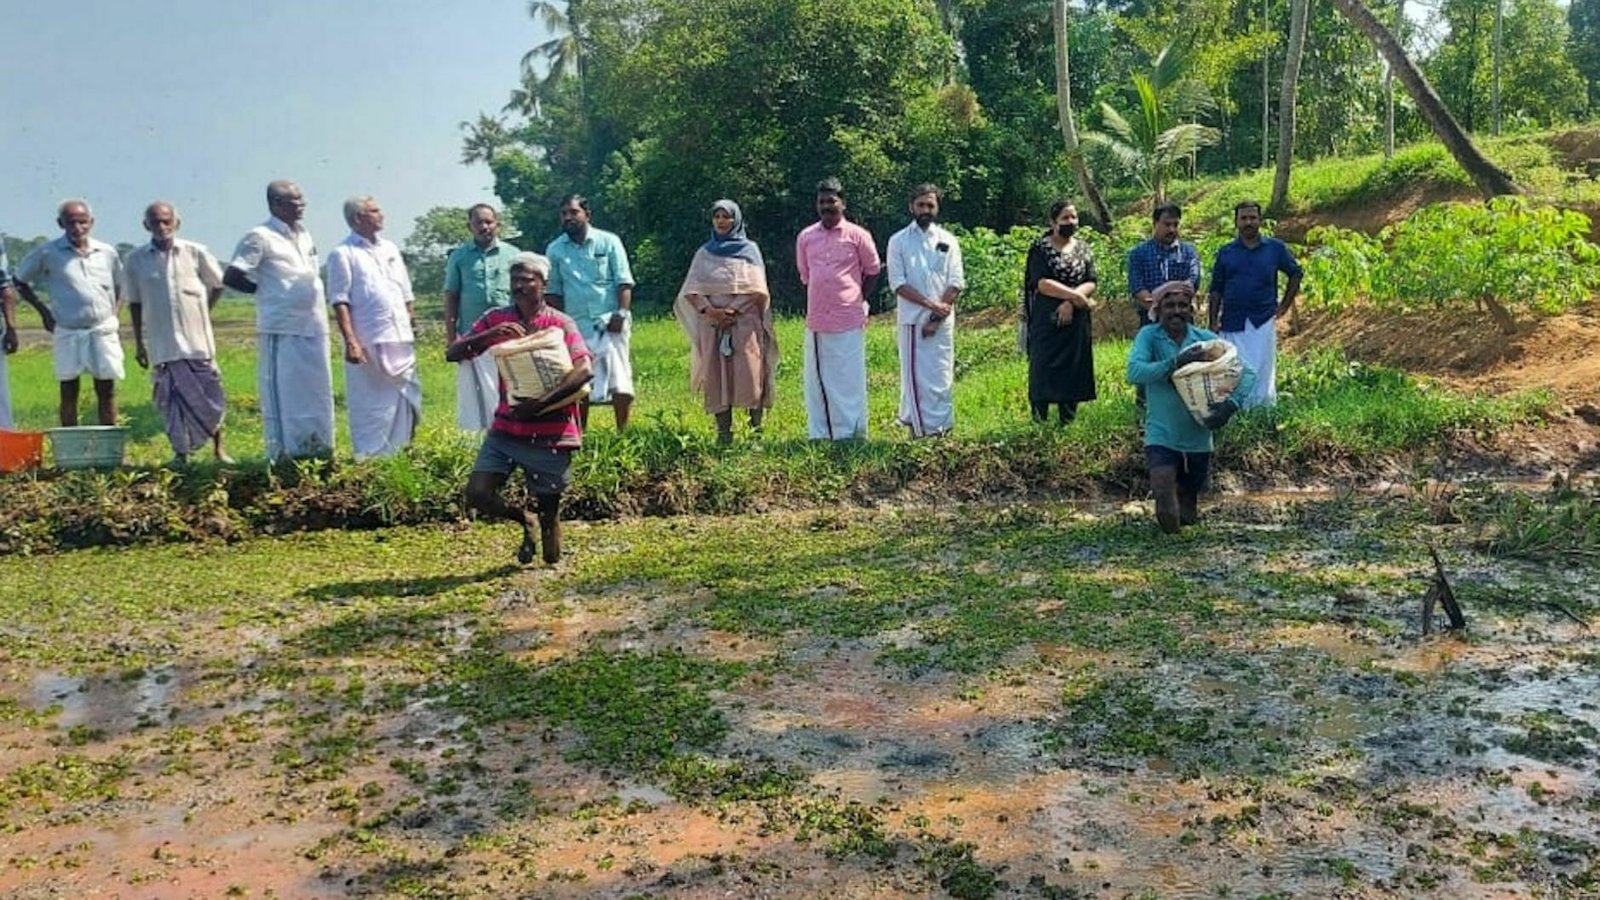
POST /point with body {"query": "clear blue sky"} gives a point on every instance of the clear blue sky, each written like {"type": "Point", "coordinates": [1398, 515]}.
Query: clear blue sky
{"type": "Point", "coordinates": [202, 102]}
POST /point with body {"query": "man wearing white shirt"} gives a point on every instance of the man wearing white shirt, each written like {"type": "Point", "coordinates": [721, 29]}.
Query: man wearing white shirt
{"type": "Point", "coordinates": [277, 262]}
{"type": "Point", "coordinates": [83, 276]}
{"type": "Point", "coordinates": [370, 291]}
{"type": "Point", "coordinates": [171, 286]}
{"type": "Point", "coordinates": [926, 275]}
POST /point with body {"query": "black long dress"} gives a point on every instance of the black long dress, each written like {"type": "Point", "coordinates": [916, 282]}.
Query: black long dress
{"type": "Point", "coordinates": [1060, 359]}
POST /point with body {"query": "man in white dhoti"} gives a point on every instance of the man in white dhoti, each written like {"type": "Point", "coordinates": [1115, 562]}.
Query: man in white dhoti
{"type": "Point", "coordinates": [277, 262]}
{"type": "Point", "coordinates": [171, 285]}
{"type": "Point", "coordinates": [926, 275]}
{"type": "Point", "coordinates": [83, 276]}
{"type": "Point", "coordinates": [1243, 305]}
{"type": "Point", "coordinates": [370, 291]}
{"type": "Point", "coordinates": [477, 278]}
{"type": "Point", "coordinates": [590, 280]}
{"type": "Point", "coordinates": [839, 266]}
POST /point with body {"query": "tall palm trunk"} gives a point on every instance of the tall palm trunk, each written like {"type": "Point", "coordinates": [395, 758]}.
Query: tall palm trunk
{"type": "Point", "coordinates": [1491, 180]}
{"type": "Point", "coordinates": [1069, 131]}
{"type": "Point", "coordinates": [1286, 102]}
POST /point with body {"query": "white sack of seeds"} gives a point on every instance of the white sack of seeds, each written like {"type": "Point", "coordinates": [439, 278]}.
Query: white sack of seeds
{"type": "Point", "coordinates": [1209, 382]}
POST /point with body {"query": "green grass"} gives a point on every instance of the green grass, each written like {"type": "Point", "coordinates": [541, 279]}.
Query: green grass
{"type": "Point", "coordinates": [1333, 414]}
{"type": "Point", "coordinates": [1333, 184]}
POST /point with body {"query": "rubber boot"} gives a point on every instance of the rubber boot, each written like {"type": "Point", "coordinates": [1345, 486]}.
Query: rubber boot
{"type": "Point", "coordinates": [1164, 485]}
{"type": "Point", "coordinates": [1188, 507]}
{"type": "Point", "coordinates": [550, 526]}
{"type": "Point", "coordinates": [725, 427]}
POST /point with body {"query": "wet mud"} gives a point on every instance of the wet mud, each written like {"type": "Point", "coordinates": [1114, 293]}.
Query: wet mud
{"type": "Point", "coordinates": [1249, 712]}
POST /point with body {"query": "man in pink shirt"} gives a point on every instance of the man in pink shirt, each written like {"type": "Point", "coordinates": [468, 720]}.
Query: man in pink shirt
{"type": "Point", "coordinates": [839, 266]}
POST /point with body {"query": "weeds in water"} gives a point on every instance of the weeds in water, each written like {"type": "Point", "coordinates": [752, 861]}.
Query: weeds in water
{"type": "Point", "coordinates": [1561, 523]}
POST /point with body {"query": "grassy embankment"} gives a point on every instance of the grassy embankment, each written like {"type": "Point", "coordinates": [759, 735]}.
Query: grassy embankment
{"type": "Point", "coordinates": [1334, 416]}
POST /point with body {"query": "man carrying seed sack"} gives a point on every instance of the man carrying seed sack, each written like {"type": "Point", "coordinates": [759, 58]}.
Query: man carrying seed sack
{"type": "Point", "coordinates": [172, 286]}
{"type": "Point", "coordinates": [276, 261]}
{"type": "Point", "coordinates": [539, 435]}
{"type": "Point", "coordinates": [839, 266]}
{"type": "Point", "coordinates": [370, 292]}
{"type": "Point", "coordinates": [84, 277]}
{"type": "Point", "coordinates": [477, 278]}
{"type": "Point", "coordinates": [1243, 305]}
{"type": "Point", "coordinates": [1177, 448]}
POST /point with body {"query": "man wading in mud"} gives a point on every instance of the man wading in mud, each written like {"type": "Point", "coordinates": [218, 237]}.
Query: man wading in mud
{"type": "Point", "coordinates": [1177, 448]}
{"type": "Point", "coordinates": [530, 435]}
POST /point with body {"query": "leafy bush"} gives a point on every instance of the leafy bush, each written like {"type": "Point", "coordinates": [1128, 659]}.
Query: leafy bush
{"type": "Point", "coordinates": [1507, 255]}
{"type": "Point", "coordinates": [994, 264]}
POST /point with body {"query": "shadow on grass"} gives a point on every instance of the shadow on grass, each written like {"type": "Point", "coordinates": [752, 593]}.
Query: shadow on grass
{"type": "Point", "coordinates": [429, 586]}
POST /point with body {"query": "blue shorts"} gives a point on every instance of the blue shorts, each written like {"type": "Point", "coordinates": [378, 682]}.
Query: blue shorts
{"type": "Point", "coordinates": [547, 469]}
{"type": "Point", "coordinates": [1194, 469]}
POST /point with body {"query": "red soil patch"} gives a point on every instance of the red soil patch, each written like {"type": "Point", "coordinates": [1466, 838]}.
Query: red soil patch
{"type": "Point", "coordinates": [1465, 349]}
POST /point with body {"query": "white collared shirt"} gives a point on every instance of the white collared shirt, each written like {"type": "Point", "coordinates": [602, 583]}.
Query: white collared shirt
{"type": "Point", "coordinates": [370, 277]}
{"type": "Point", "coordinates": [929, 261]}
{"type": "Point", "coordinates": [172, 288]}
{"type": "Point", "coordinates": [283, 264]}
{"type": "Point", "coordinates": [82, 286]}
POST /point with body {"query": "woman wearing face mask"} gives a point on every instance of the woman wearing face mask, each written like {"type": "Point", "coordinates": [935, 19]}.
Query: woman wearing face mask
{"type": "Point", "coordinates": [725, 311]}
{"type": "Point", "coordinates": [1057, 295]}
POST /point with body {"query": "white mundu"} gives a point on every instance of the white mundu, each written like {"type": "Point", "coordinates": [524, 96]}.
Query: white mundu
{"type": "Point", "coordinates": [836, 384]}
{"type": "Point", "coordinates": [929, 262]}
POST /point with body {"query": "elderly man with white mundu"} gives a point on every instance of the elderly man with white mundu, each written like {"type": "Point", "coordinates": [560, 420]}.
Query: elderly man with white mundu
{"type": "Point", "coordinates": [370, 291]}
{"type": "Point", "coordinates": [83, 276]}
{"type": "Point", "coordinates": [276, 261]}
{"type": "Point", "coordinates": [171, 285]}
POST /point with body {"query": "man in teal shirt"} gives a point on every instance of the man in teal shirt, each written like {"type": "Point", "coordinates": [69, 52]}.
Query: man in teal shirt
{"type": "Point", "coordinates": [1177, 448]}
{"type": "Point", "coordinates": [591, 282]}
{"type": "Point", "coordinates": [477, 278]}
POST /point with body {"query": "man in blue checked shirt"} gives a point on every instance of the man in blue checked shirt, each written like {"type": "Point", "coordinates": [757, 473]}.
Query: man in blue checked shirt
{"type": "Point", "coordinates": [1156, 261]}
{"type": "Point", "coordinates": [1162, 258]}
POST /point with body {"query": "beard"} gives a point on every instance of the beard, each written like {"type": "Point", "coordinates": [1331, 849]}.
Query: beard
{"type": "Point", "coordinates": [923, 220]}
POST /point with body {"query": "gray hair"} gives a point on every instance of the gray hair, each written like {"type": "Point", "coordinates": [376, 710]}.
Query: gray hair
{"type": "Point", "coordinates": [354, 206]}
{"type": "Point", "coordinates": [276, 189]}
{"type": "Point", "coordinates": [62, 209]}
{"type": "Point", "coordinates": [527, 259]}
{"type": "Point", "coordinates": [159, 204]}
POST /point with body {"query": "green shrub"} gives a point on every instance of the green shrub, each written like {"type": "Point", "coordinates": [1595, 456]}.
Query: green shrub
{"type": "Point", "coordinates": [1508, 255]}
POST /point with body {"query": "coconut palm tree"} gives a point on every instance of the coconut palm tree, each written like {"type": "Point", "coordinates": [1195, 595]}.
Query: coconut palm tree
{"type": "Point", "coordinates": [1162, 131]}
{"type": "Point", "coordinates": [1069, 130]}
{"type": "Point", "coordinates": [561, 55]}
{"type": "Point", "coordinates": [1490, 179]}
{"type": "Point", "coordinates": [1291, 80]}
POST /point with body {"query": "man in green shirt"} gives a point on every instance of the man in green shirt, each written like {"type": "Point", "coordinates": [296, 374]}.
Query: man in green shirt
{"type": "Point", "coordinates": [477, 279]}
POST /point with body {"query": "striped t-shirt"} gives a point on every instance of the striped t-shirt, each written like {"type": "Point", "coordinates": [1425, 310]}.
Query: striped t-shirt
{"type": "Point", "coordinates": [558, 428]}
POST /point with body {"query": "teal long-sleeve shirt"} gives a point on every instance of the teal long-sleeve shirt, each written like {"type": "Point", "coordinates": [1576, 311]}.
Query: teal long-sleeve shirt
{"type": "Point", "coordinates": [1167, 421]}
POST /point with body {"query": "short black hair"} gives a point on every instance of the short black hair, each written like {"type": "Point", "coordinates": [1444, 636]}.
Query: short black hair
{"type": "Point", "coordinates": [477, 206]}
{"type": "Point", "coordinates": [926, 187]}
{"type": "Point", "coordinates": [1246, 204]}
{"type": "Point", "coordinates": [1166, 209]}
{"type": "Point", "coordinates": [830, 185]}
{"type": "Point", "coordinates": [1061, 204]}
{"type": "Point", "coordinates": [581, 200]}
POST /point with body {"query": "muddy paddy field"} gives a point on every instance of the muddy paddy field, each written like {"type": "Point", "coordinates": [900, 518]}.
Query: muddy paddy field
{"type": "Point", "coordinates": [985, 701]}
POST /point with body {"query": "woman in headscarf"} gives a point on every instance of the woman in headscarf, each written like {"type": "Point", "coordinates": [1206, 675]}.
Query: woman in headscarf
{"type": "Point", "coordinates": [725, 310]}
{"type": "Point", "coordinates": [1057, 295]}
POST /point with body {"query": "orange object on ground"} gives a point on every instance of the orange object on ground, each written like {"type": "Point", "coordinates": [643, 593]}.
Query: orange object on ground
{"type": "Point", "coordinates": [21, 450]}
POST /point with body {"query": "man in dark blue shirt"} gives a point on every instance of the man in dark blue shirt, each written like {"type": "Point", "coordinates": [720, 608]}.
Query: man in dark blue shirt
{"type": "Point", "coordinates": [1243, 303]}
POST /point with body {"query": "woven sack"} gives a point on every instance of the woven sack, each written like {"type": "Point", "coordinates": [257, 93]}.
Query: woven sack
{"type": "Point", "coordinates": [1204, 384]}
{"type": "Point", "coordinates": [532, 365]}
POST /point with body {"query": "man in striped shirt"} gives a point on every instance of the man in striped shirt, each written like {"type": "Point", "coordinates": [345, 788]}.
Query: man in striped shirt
{"type": "Point", "coordinates": [532, 435]}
